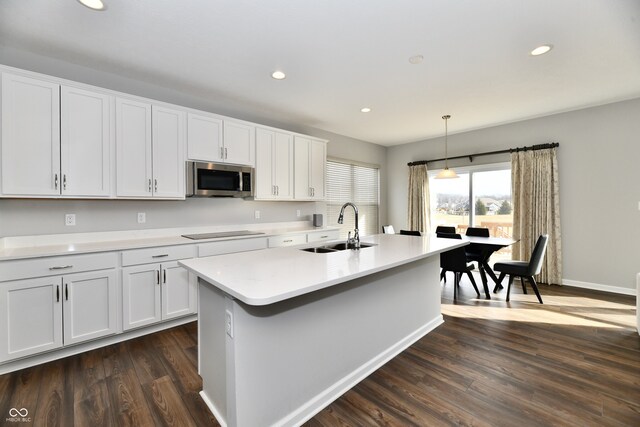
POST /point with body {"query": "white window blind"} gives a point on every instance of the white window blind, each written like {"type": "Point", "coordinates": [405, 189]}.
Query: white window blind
{"type": "Point", "coordinates": [359, 185]}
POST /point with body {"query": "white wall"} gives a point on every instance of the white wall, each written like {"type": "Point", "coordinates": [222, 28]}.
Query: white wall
{"type": "Point", "coordinates": [32, 217]}
{"type": "Point", "coordinates": [599, 167]}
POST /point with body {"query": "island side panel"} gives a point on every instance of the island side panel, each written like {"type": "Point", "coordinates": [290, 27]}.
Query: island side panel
{"type": "Point", "coordinates": [293, 358]}
{"type": "Point", "coordinates": [212, 349]}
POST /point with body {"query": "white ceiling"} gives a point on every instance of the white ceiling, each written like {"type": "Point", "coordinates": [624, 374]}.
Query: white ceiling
{"type": "Point", "coordinates": [342, 55]}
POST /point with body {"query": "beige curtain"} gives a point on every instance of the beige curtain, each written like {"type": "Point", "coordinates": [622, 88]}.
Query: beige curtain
{"type": "Point", "coordinates": [418, 199]}
{"type": "Point", "coordinates": [536, 208]}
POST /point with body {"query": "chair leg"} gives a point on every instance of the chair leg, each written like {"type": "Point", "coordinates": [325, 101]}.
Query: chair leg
{"type": "Point", "coordinates": [443, 275]}
{"type": "Point", "coordinates": [473, 282]}
{"type": "Point", "coordinates": [455, 285]}
{"type": "Point", "coordinates": [498, 285]}
{"type": "Point", "coordinates": [524, 285]}
{"type": "Point", "coordinates": [509, 287]}
{"type": "Point", "coordinates": [535, 288]}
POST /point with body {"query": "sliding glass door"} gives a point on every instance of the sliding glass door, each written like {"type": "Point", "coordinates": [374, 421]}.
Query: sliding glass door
{"type": "Point", "coordinates": [481, 197]}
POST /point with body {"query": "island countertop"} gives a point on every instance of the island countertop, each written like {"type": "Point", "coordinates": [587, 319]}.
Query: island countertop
{"type": "Point", "coordinates": [271, 275]}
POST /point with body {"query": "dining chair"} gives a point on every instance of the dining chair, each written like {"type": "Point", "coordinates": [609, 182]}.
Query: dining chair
{"type": "Point", "coordinates": [388, 229]}
{"type": "Point", "coordinates": [410, 233]}
{"type": "Point", "coordinates": [524, 269]}
{"type": "Point", "coordinates": [455, 260]}
{"type": "Point", "coordinates": [473, 254]}
{"type": "Point", "coordinates": [445, 229]}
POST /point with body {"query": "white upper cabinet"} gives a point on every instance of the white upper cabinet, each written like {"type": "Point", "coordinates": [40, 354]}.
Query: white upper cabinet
{"type": "Point", "coordinates": [133, 148]}
{"type": "Point", "coordinates": [310, 165]}
{"type": "Point", "coordinates": [204, 138]}
{"type": "Point", "coordinates": [168, 152]}
{"type": "Point", "coordinates": [274, 165]}
{"type": "Point", "coordinates": [150, 150]}
{"type": "Point", "coordinates": [64, 135]}
{"type": "Point", "coordinates": [85, 129]}
{"type": "Point", "coordinates": [213, 139]}
{"type": "Point", "coordinates": [238, 143]}
{"type": "Point", "coordinates": [30, 137]}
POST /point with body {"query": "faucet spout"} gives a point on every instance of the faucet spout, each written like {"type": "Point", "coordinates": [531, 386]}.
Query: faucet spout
{"type": "Point", "coordinates": [353, 243]}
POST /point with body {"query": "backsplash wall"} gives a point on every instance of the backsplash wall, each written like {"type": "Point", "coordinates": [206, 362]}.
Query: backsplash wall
{"type": "Point", "coordinates": [25, 217]}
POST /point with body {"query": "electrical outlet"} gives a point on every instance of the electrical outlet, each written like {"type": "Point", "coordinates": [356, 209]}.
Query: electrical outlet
{"type": "Point", "coordinates": [70, 219]}
{"type": "Point", "coordinates": [228, 323]}
{"type": "Point", "coordinates": [298, 213]}
{"type": "Point", "coordinates": [257, 214]}
{"type": "Point", "coordinates": [142, 217]}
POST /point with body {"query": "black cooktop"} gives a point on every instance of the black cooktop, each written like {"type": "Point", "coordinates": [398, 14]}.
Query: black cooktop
{"type": "Point", "coordinates": [219, 234]}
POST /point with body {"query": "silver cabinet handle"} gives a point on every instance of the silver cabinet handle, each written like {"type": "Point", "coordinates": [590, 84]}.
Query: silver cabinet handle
{"type": "Point", "coordinates": [221, 153]}
{"type": "Point", "coordinates": [64, 181]}
{"type": "Point", "coordinates": [155, 185]}
{"type": "Point", "coordinates": [149, 185]}
{"type": "Point", "coordinates": [273, 190]}
{"type": "Point", "coordinates": [323, 237]}
{"type": "Point", "coordinates": [57, 293]}
{"type": "Point", "coordinates": [157, 277]}
{"type": "Point", "coordinates": [164, 275]}
{"type": "Point", "coordinates": [277, 190]}
{"type": "Point", "coordinates": [288, 241]}
{"type": "Point", "coordinates": [55, 181]}
{"type": "Point", "coordinates": [66, 292]}
{"type": "Point", "coordinates": [313, 191]}
{"type": "Point", "coordinates": [61, 267]}
{"type": "Point", "coordinates": [309, 191]}
{"type": "Point", "coordinates": [225, 153]}
{"type": "Point", "coordinates": [160, 256]}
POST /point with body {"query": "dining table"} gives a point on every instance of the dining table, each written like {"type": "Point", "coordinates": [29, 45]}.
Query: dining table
{"type": "Point", "coordinates": [486, 246]}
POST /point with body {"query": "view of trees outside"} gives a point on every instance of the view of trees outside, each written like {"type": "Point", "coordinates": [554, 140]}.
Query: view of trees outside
{"type": "Point", "coordinates": [492, 204]}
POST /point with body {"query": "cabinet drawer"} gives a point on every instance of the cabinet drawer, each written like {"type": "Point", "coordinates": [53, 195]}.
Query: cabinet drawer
{"type": "Point", "coordinates": [159, 254]}
{"type": "Point", "coordinates": [50, 266]}
{"type": "Point", "coordinates": [320, 236]}
{"type": "Point", "coordinates": [296, 239]}
{"type": "Point", "coordinates": [231, 246]}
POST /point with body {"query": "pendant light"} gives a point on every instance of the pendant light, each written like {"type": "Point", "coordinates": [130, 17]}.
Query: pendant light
{"type": "Point", "coordinates": [446, 173]}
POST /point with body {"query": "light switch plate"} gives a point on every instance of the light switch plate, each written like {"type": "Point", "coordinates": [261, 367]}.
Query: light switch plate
{"type": "Point", "coordinates": [257, 215]}
{"type": "Point", "coordinates": [142, 217]}
{"type": "Point", "coordinates": [70, 219]}
{"type": "Point", "coordinates": [298, 213]}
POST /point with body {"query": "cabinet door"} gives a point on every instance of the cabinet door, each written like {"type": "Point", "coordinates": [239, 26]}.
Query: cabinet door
{"type": "Point", "coordinates": [30, 136]}
{"type": "Point", "coordinates": [178, 292]}
{"type": "Point", "coordinates": [204, 138]}
{"type": "Point", "coordinates": [89, 305]}
{"type": "Point", "coordinates": [30, 317]}
{"type": "Point", "coordinates": [301, 167]}
{"type": "Point", "coordinates": [265, 140]}
{"type": "Point", "coordinates": [133, 148]}
{"type": "Point", "coordinates": [140, 295]}
{"type": "Point", "coordinates": [317, 168]}
{"type": "Point", "coordinates": [239, 143]}
{"type": "Point", "coordinates": [282, 165]}
{"type": "Point", "coordinates": [85, 125]}
{"type": "Point", "coordinates": [168, 152]}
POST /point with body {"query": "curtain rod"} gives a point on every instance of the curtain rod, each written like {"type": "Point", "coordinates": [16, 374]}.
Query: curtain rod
{"type": "Point", "coordinates": [471, 156]}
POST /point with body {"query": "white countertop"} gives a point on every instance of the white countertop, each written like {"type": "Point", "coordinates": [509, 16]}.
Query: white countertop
{"type": "Point", "coordinates": [268, 276]}
{"type": "Point", "coordinates": [77, 243]}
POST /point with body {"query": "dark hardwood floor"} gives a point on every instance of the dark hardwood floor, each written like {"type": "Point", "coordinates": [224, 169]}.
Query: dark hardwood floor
{"type": "Point", "coordinates": [574, 361]}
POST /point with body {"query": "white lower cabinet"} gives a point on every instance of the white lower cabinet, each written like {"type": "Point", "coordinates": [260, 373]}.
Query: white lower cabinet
{"type": "Point", "coordinates": [155, 292]}
{"type": "Point", "coordinates": [43, 314]}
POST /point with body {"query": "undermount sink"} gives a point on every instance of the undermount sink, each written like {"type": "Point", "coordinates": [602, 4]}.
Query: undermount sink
{"type": "Point", "coordinates": [333, 248]}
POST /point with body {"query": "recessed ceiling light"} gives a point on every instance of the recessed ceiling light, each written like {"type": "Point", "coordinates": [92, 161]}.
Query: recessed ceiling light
{"type": "Point", "coordinates": [278, 75]}
{"type": "Point", "coordinates": [93, 4]}
{"type": "Point", "coordinates": [365, 109]}
{"type": "Point", "coordinates": [416, 59]}
{"type": "Point", "coordinates": [541, 50]}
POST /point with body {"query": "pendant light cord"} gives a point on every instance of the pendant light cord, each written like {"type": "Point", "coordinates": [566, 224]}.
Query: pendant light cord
{"type": "Point", "coordinates": [446, 141]}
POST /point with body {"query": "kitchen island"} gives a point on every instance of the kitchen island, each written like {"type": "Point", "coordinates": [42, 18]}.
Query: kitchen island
{"type": "Point", "coordinates": [283, 332]}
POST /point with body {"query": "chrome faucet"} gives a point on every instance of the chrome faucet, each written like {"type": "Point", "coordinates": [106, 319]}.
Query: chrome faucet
{"type": "Point", "coordinates": [352, 243]}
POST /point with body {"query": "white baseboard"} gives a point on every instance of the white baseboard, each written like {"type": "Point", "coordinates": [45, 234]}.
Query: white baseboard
{"type": "Point", "coordinates": [599, 287]}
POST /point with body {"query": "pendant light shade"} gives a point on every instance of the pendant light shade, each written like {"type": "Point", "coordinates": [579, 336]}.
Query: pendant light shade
{"type": "Point", "coordinates": [446, 173]}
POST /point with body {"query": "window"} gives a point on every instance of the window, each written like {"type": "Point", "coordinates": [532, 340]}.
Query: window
{"type": "Point", "coordinates": [481, 197]}
{"type": "Point", "coordinates": [356, 183]}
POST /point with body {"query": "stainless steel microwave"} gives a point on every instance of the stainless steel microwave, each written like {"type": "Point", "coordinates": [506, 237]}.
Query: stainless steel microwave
{"type": "Point", "coordinates": [219, 180]}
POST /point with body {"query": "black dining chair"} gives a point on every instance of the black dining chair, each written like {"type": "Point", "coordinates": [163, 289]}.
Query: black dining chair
{"type": "Point", "coordinates": [388, 229]}
{"type": "Point", "coordinates": [455, 260]}
{"type": "Point", "coordinates": [447, 235]}
{"type": "Point", "coordinates": [473, 254]}
{"type": "Point", "coordinates": [524, 269]}
{"type": "Point", "coordinates": [410, 233]}
{"type": "Point", "coordinates": [445, 229]}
